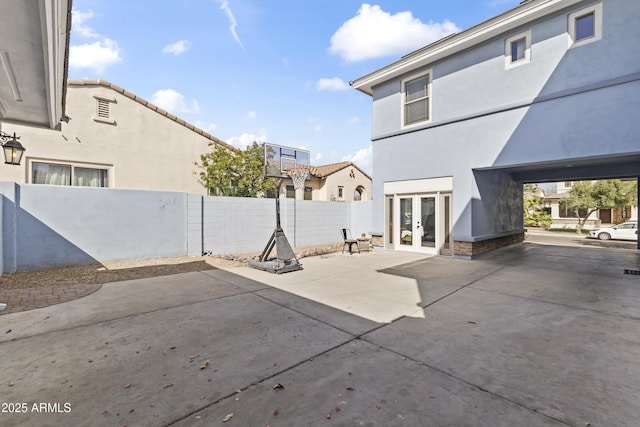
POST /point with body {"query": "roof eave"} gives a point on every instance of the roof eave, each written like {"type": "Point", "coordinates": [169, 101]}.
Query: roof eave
{"type": "Point", "coordinates": [520, 15]}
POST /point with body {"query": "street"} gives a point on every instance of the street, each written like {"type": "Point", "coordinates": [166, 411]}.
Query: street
{"type": "Point", "coordinates": [560, 238]}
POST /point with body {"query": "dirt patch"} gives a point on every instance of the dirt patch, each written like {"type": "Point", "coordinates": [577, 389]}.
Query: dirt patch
{"type": "Point", "coordinates": [135, 269]}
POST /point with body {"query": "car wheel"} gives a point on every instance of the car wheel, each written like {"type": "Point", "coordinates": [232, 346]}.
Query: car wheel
{"type": "Point", "coordinates": [604, 236]}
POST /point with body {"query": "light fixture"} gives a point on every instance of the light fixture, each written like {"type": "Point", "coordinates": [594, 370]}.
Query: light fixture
{"type": "Point", "coordinates": [13, 150]}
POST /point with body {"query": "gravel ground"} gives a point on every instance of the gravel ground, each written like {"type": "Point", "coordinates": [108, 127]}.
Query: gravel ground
{"type": "Point", "coordinates": [135, 269]}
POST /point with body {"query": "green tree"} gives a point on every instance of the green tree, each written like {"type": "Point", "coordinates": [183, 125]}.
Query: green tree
{"type": "Point", "coordinates": [231, 172]}
{"type": "Point", "coordinates": [534, 215]}
{"type": "Point", "coordinates": [606, 194]}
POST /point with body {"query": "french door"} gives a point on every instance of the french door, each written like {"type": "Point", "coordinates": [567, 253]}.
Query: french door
{"type": "Point", "coordinates": [420, 223]}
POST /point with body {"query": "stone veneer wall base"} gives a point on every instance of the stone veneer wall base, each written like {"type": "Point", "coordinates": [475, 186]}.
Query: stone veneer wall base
{"type": "Point", "coordinates": [469, 249]}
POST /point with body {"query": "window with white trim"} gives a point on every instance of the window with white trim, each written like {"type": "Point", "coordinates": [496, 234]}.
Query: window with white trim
{"type": "Point", "coordinates": [69, 174]}
{"type": "Point", "coordinates": [585, 25]}
{"type": "Point", "coordinates": [416, 99]}
{"type": "Point", "coordinates": [340, 192]}
{"type": "Point", "coordinates": [517, 50]}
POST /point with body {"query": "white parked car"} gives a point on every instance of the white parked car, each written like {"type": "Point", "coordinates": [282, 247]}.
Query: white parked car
{"type": "Point", "coordinates": [624, 231]}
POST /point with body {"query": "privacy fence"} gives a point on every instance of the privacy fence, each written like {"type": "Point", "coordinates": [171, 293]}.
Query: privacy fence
{"type": "Point", "coordinates": [47, 226]}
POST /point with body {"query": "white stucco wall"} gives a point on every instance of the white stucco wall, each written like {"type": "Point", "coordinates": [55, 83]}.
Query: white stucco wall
{"type": "Point", "coordinates": [46, 226]}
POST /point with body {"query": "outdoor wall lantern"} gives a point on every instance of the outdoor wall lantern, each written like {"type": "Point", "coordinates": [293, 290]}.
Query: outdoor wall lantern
{"type": "Point", "coordinates": [13, 150]}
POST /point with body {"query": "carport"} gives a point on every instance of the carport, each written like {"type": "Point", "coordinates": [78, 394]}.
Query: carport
{"type": "Point", "coordinates": [583, 169]}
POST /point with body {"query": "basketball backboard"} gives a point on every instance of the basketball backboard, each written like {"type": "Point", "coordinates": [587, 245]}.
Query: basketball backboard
{"type": "Point", "coordinates": [279, 159]}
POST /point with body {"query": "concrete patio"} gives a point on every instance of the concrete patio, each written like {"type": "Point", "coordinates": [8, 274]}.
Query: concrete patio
{"type": "Point", "coordinates": [530, 335]}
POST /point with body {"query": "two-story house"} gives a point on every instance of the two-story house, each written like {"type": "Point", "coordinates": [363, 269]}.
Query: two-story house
{"type": "Point", "coordinates": [547, 91]}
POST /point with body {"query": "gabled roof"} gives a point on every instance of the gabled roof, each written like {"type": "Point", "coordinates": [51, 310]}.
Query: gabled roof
{"type": "Point", "coordinates": [527, 11]}
{"type": "Point", "coordinates": [326, 170]}
{"type": "Point", "coordinates": [107, 84]}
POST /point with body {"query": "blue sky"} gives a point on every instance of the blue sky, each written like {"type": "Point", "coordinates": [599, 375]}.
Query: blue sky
{"type": "Point", "coordinates": [258, 70]}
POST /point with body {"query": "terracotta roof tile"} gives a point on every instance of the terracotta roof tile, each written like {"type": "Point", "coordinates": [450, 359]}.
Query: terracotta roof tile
{"type": "Point", "coordinates": [326, 170]}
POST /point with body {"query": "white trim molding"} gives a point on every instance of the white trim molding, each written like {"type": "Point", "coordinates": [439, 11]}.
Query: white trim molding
{"type": "Point", "coordinates": [596, 11]}
{"type": "Point", "coordinates": [508, 53]}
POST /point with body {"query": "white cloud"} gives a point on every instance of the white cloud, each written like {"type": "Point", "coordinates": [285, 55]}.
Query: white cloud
{"type": "Point", "coordinates": [363, 158]}
{"type": "Point", "coordinates": [96, 55]}
{"type": "Point", "coordinates": [178, 47]}
{"type": "Point", "coordinates": [316, 123]}
{"type": "Point", "coordinates": [317, 157]}
{"type": "Point", "coordinates": [374, 33]}
{"type": "Point", "coordinates": [211, 127]}
{"type": "Point", "coordinates": [224, 6]}
{"type": "Point", "coordinates": [246, 139]}
{"type": "Point", "coordinates": [78, 18]}
{"type": "Point", "coordinates": [354, 121]}
{"type": "Point", "coordinates": [170, 100]}
{"type": "Point", "coordinates": [251, 115]}
{"type": "Point", "coordinates": [334, 84]}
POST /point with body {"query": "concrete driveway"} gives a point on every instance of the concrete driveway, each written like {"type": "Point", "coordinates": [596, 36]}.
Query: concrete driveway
{"type": "Point", "coordinates": [530, 335]}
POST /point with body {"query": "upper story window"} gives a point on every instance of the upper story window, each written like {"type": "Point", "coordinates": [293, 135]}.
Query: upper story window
{"type": "Point", "coordinates": [69, 174]}
{"type": "Point", "coordinates": [416, 99]}
{"type": "Point", "coordinates": [103, 109]}
{"type": "Point", "coordinates": [517, 50]}
{"type": "Point", "coordinates": [585, 26]}
{"type": "Point", "coordinates": [340, 192]}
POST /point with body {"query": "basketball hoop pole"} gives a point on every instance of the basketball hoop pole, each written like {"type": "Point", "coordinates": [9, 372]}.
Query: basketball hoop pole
{"type": "Point", "coordinates": [298, 175]}
{"type": "Point", "coordinates": [282, 162]}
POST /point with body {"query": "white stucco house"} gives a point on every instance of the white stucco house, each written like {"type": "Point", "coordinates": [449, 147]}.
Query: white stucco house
{"type": "Point", "coordinates": [547, 91]}
{"type": "Point", "coordinates": [112, 138]}
{"type": "Point", "coordinates": [337, 182]}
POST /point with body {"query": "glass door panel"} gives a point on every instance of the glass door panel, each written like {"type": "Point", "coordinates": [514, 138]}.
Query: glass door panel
{"type": "Point", "coordinates": [428, 222]}
{"type": "Point", "coordinates": [405, 228]}
{"type": "Point", "coordinates": [446, 248]}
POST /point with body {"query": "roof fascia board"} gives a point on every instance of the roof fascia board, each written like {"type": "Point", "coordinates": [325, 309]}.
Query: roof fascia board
{"type": "Point", "coordinates": [480, 33]}
{"type": "Point", "coordinates": [53, 21]}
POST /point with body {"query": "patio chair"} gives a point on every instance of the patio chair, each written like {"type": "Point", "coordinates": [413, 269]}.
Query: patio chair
{"type": "Point", "coordinates": [347, 239]}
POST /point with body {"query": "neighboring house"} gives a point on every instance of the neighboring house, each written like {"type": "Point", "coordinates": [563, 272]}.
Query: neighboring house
{"type": "Point", "coordinates": [112, 138]}
{"type": "Point", "coordinates": [343, 182]}
{"type": "Point", "coordinates": [563, 216]}
{"type": "Point", "coordinates": [547, 91]}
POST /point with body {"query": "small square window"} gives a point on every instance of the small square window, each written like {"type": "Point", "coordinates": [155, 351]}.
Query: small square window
{"type": "Point", "coordinates": [585, 26]}
{"type": "Point", "coordinates": [517, 50]}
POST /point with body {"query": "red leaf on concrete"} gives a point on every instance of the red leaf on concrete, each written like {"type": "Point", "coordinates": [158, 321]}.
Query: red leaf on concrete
{"type": "Point", "coordinates": [127, 386]}
{"type": "Point", "coordinates": [105, 412]}
{"type": "Point", "coordinates": [348, 388]}
{"type": "Point", "coordinates": [276, 413]}
{"type": "Point", "coordinates": [377, 406]}
{"type": "Point", "coordinates": [329, 416]}
{"type": "Point", "coordinates": [337, 409]}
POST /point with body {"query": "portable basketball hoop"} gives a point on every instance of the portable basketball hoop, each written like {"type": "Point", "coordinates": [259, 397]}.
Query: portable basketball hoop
{"type": "Point", "coordinates": [282, 162]}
